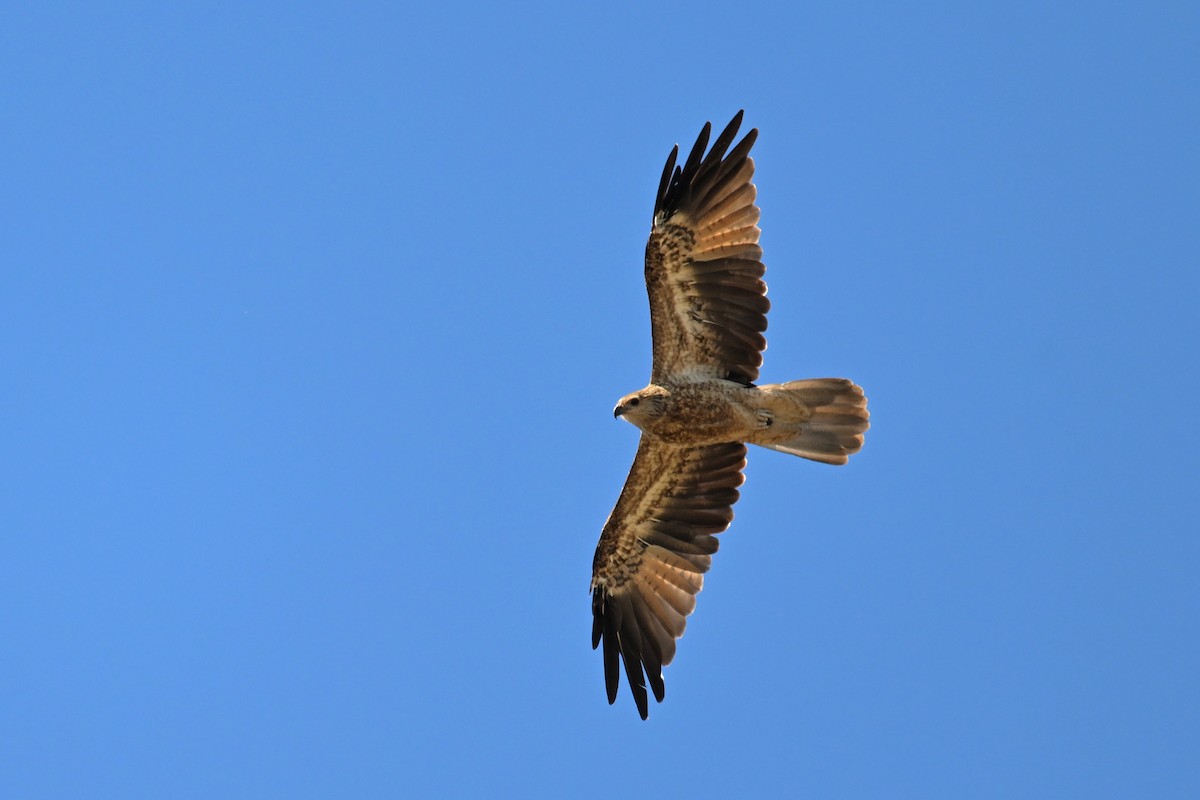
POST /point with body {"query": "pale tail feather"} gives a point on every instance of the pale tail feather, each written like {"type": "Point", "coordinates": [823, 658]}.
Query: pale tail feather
{"type": "Point", "coordinates": [823, 419]}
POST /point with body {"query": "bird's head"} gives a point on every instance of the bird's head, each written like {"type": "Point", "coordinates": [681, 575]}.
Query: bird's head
{"type": "Point", "coordinates": [643, 406]}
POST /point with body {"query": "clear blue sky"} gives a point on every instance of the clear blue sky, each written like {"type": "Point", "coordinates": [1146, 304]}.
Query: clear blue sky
{"type": "Point", "coordinates": [314, 318]}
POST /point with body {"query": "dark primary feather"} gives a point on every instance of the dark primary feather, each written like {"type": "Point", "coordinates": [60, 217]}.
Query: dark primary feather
{"type": "Point", "coordinates": [665, 181]}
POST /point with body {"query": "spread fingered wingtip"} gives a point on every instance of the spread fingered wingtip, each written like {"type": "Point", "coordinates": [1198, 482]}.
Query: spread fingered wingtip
{"type": "Point", "coordinates": [675, 187]}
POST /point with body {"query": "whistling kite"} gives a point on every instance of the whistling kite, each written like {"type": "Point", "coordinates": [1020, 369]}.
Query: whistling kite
{"type": "Point", "coordinates": [708, 310]}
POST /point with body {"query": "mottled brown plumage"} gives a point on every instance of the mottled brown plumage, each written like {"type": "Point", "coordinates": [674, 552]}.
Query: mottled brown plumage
{"type": "Point", "coordinates": [708, 310]}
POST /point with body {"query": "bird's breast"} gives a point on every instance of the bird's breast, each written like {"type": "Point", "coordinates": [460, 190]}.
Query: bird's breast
{"type": "Point", "coordinates": [704, 413]}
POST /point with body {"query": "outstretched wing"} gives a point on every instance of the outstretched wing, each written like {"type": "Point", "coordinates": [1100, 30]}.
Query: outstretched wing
{"type": "Point", "coordinates": [704, 267]}
{"type": "Point", "coordinates": [653, 553]}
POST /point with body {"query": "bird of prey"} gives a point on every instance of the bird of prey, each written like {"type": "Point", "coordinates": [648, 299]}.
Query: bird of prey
{"type": "Point", "coordinates": [708, 310]}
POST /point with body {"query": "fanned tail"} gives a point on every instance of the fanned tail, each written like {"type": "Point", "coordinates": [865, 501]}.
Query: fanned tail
{"type": "Point", "coordinates": [823, 419]}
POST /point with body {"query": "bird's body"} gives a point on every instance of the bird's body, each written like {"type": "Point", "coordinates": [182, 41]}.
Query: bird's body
{"type": "Point", "coordinates": [778, 416]}
{"type": "Point", "coordinates": [700, 411]}
{"type": "Point", "coordinates": [708, 310]}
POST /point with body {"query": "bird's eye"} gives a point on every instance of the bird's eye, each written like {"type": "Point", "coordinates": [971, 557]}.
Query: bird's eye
{"type": "Point", "coordinates": [634, 401]}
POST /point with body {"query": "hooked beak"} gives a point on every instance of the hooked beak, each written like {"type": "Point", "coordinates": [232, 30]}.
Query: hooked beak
{"type": "Point", "coordinates": [618, 411]}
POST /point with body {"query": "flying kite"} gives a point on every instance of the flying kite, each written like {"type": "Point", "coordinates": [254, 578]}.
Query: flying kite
{"type": "Point", "coordinates": [708, 311]}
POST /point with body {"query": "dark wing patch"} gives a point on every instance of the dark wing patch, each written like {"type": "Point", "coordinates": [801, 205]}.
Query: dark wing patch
{"type": "Point", "coordinates": [704, 267]}
{"type": "Point", "coordinates": [652, 556]}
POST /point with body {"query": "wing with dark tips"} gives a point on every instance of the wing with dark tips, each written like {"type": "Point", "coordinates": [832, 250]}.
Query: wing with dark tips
{"type": "Point", "coordinates": [652, 556]}
{"type": "Point", "coordinates": [704, 267]}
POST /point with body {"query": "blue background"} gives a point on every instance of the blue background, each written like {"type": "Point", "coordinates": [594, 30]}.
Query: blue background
{"type": "Point", "coordinates": [313, 319]}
